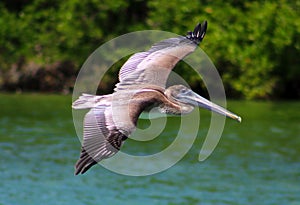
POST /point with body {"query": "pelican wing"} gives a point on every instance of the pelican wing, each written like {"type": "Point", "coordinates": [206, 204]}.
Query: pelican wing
{"type": "Point", "coordinates": [110, 121]}
{"type": "Point", "coordinates": [101, 138]}
{"type": "Point", "coordinates": [154, 66]}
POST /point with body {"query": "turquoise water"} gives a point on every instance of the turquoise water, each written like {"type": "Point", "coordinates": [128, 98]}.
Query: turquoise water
{"type": "Point", "coordinates": [256, 162]}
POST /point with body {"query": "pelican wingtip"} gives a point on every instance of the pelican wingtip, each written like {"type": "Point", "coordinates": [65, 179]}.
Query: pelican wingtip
{"type": "Point", "coordinates": [199, 32]}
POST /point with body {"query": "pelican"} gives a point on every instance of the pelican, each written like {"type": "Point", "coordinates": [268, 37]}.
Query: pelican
{"type": "Point", "coordinates": [142, 86]}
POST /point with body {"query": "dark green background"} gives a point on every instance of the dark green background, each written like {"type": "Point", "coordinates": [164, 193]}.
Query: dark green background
{"type": "Point", "coordinates": [254, 45]}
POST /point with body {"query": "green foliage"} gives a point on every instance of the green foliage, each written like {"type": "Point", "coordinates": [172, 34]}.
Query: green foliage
{"type": "Point", "coordinates": [255, 45]}
{"type": "Point", "coordinates": [247, 41]}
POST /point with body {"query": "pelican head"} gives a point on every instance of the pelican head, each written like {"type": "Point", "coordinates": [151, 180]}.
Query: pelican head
{"type": "Point", "coordinates": [188, 99]}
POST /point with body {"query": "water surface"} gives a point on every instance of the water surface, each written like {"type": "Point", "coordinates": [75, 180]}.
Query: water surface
{"type": "Point", "coordinates": [256, 162]}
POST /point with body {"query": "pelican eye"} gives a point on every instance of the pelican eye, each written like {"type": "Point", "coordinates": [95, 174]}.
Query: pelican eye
{"type": "Point", "coordinates": [185, 91]}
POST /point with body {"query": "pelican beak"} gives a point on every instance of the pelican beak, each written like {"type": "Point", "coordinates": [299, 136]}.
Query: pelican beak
{"type": "Point", "coordinates": [199, 101]}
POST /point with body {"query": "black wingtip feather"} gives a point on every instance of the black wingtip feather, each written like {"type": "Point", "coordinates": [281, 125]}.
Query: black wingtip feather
{"type": "Point", "coordinates": [84, 163]}
{"type": "Point", "coordinates": [198, 34]}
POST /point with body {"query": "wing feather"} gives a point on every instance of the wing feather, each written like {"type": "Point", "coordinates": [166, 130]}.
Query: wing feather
{"type": "Point", "coordinates": [101, 139]}
{"type": "Point", "coordinates": [154, 66]}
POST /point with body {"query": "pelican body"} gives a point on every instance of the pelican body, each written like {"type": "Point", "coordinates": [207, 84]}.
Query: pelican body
{"type": "Point", "coordinates": [112, 118]}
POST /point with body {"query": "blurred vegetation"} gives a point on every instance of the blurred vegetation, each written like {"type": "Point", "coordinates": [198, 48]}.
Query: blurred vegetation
{"type": "Point", "coordinates": [255, 45]}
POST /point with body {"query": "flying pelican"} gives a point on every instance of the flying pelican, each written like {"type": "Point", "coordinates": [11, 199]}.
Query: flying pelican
{"type": "Point", "coordinates": [112, 118]}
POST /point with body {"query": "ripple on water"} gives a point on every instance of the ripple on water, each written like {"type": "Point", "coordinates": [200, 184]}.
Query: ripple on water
{"type": "Point", "coordinates": [255, 162]}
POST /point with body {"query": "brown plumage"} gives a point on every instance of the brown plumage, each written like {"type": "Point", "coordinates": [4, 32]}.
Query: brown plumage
{"type": "Point", "coordinates": [112, 118]}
